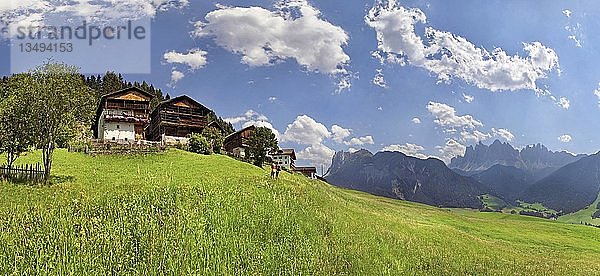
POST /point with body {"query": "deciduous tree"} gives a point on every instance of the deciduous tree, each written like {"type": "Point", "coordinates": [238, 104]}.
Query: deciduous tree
{"type": "Point", "coordinates": [261, 142]}
{"type": "Point", "coordinates": [60, 101]}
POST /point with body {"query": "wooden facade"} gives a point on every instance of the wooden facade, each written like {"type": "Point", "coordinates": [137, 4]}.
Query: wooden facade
{"type": "Point", "coordinates": [236, 143]}
{"type": "Point", "coordinates": [310, 172]}
{"type": "Point", "coordinates": [177, 118]}
{"type": "Point", "coordinates": [123, 115]}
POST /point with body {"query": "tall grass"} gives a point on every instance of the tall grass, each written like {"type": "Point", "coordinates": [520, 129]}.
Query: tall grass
{"type": "Point", "coordinates": [186, 214]}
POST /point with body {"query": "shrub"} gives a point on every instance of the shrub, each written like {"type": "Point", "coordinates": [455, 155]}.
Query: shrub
{"type": "Point", "coordinates": [198, 144]}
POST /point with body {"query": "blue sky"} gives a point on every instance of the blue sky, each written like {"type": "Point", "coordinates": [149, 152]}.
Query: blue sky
{"type": "Point", "coordinates": [297, 95]}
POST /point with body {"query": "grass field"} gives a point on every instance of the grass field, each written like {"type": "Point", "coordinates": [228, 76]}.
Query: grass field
{"type": "Point", "coordinates": [583, 216]}
{"type": "Point", "coordinates": [492, 202]}
{"type": "Point", "coordinates": [185, 214]}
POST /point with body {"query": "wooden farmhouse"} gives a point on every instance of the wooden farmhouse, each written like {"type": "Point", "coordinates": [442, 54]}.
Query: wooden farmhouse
{"type": "Point", "coordinates": [310, 172]}
{"type": "Point", "coordinates": [237, 143]}
{"type": "Point", "coordinates": [122, 116]}
{"type": "Point", "coordinates": [174, 120]}
{"type": "Point", "coordinates": [284, 158]}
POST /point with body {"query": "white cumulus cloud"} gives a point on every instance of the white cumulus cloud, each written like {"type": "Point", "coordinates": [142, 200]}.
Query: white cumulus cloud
{"type": "Point", "coordinates": [503, 133]}
{"type": "Point", "coordinates": [14, 13]}
{"type": "Point", "coordinates": [450, 56]}
{"type": "Point", "coordinates": [340, 133]}
{"type": "Point", "coordinates": [468, 98]}
{"type": "Point", "coordinates": [306, 131]}
{"type": "Point", "coordinates": [408, 149]}
{"type": "Point", "coordinates": [450, 150]}
{"type": "Point", "coordinates": [317, 155]}
{"type": "Point", "coordinates": [176, 76]}
{"type": "Point", "coordinates": [360, 141]}
{"type": "Point", "coordinates": [194, 58]}
{"type": "Point", "coordinates": [597, 93]}
{"type": "Point", "coordinates": [379, 79]}
{"type": "Point", "coordinates": [446, 117]}
{"type": "Point", "coordinates": [293, 30]}
{"type": "Point", "coordinates": [566, 138]}
{"type": "Point", "coordinates": [253, 118]}
{"type": "Point", "coordinates": [564, 103]}
{"type": "Point", "coordinates": [416, 120]}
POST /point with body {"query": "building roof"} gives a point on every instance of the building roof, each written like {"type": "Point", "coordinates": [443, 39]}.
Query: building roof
{"type": "Point", "coordinates": [305, 169]}
{"type": "Point", "coordinates": [184, 98]}
{"type": "Point", "coordinates": [252, 127]}
{"type": "Point", "coordinates": [123, 91]}
{"type": "Point", "coordinates": [216, 125]}
{"type": "Point", "coordinates": [289, 152]}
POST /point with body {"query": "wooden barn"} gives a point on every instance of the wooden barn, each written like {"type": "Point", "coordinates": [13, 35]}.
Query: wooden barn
{"type": "Point", "coordinates": [123, 115]}
{"type": "Point", "coordinates": [236, 143]}
{"type": "Point", "coordinates": [172, 121]}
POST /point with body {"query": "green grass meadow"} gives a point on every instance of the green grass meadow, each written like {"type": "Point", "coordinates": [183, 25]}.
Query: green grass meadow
{"type": "Point", "coordinates": [583, 216]}
{"type": "Point", "coordinates": [185, 214]}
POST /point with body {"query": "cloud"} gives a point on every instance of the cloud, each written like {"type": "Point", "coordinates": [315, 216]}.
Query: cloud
{"type": "Point", "coordinates": [450, 150]}
{"type": "Point", "coordinates": [176, 76]}
{"type": "Point", "coordinates": [446, 117]}
{"type": "Point", "coordinates": [293, 30]}
{"type": "Point", "coordinates": [565, 138]}
{"type": "Point", "coordinates": [379, 79]}
{"type": "Point", "coordinates": [194, 58]}
{"type": "Point", "coordinates": [16, 13]}
{"type": "Point", "coordinates": [597, 93]}
{"type": "Point", "coordinates": [503, 133]}
{"type": "Point", "coordinates": [416, 120]}
{"type": "Point", "coordinates": [306, 131]}
{"type": "Point", "coordinates": [474, 136]}
{"type": "Point", "coordinates": [564, 103]}
{"type": "Point", "coordinates": [468, 98]}
{"type": "Point", "coordinates": [408, 149]}
{"type": "Point", "coordinates": [272, 99]}
{"type": "Point", "coordinates": [360, 141]}
{"type": "Point", "coordinates": [340, 133]}
{"type": "Point", "coordinates": [450, 56]}
{"type": "Point", "coordinates": [317, 155]}
{"type": "Point", "coordinates": [253, 118]}
{"type": "Point", "coordinates": [567, 12]}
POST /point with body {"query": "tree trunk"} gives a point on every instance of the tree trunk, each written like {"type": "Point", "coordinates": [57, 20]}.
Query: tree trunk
{"type": "Point", "coordinates": [10, 159]}
{"type": "Point", "coordinates": [47, 156]}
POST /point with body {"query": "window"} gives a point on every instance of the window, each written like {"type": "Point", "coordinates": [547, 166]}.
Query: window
{"type": "Point", "coordinates": [114, 138]}
{"type": "Point", "coordinates": [118, 126]}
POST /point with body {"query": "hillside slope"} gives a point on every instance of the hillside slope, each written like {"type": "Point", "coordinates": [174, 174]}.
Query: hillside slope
{"type": "Point", "coordinates": [571, 188]}
{"type": "Point", "coordinates": [184, 214]}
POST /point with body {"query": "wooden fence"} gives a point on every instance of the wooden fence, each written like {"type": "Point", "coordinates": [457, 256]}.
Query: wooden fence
{"type": "Point", "coordinates": [22, 173]}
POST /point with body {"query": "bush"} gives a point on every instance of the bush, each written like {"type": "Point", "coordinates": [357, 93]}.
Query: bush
{"type": "Point", "coordinates": [198, 144]}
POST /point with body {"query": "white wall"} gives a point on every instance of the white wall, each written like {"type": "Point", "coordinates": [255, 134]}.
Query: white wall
{"type": "Point", "coordinates": [118, 131]}
{"type": "Point", "coordinates": [284, 161]}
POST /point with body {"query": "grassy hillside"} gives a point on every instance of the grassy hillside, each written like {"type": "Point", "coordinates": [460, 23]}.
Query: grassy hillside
{"type": "Point", "coordinates": [583, 216]}
{"type": "Point", "coordinates": [180, 213]}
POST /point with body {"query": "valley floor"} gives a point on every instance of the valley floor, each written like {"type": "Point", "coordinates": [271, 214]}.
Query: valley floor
{"type": "Point", "coordinates": [181, 213]}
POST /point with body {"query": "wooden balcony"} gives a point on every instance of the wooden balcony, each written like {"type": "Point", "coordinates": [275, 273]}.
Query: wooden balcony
{"type": "Point", "coordinates": [125, 105]}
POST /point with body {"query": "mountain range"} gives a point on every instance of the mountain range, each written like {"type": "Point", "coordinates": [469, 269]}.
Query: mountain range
{"type": "Point", "coordinates": [561, 181]}
{"type": "Point", "coordinates": [395, 175]}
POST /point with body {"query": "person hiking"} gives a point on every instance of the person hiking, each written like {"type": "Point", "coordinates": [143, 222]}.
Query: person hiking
{"type": "Point", "coordinates": [273, 170]}
{"type": "Point", "coordinates": [277, 172]}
